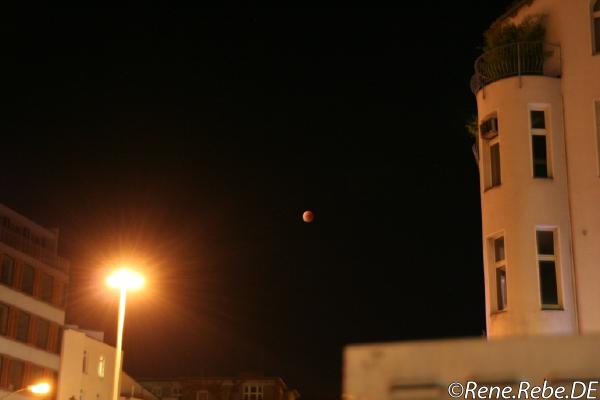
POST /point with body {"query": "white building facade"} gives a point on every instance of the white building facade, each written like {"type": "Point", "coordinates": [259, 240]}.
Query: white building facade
{"type": "Point", "coordinates": [87, 368]}
{"type": "Point", "coordinates": [540, 177]}
{"type": "Point", "coordinates": [33, 286]}
{"type": "Point", "coordinates": [539, 162]}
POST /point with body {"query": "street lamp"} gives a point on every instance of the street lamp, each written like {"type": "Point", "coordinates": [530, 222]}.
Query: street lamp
{"type": "Point", "coordinates": [124, 280]}
{"type": "Point", "coordinates": [37, 389]}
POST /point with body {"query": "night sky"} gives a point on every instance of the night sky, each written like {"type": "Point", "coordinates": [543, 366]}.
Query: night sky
{"type": "Point", "coordinates": [189, 142]}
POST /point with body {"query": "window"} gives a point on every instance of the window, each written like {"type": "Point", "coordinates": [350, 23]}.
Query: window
{"type": "Point", "coordinates": [202, 395]}
{"type": "Point", "coordinates": [23, 321]}
{"type": "Point", "coordinates": [85, 362]}
{"type": "Point", "coordinates": [596, 26]}
{"type": "Point", "coordinates": [43, 330]}
{"type": "Point", "coordinates": [101, 364]}
{"type": "Point", "coordinates": [499, 275]}
{"type": "Point", "coordinates": [59, 336]}
{"type": "Point", "coordinates": [253, 392]}
{"type": "Point", "coordinates": [28, 279]}
{"type": "Point", "coordinates": [3, 319]}
{"type": "Point", "coordinates": [547, 268]}
{"type": "Point", "coordinates": [597, 104]}
{"type": "Point", "coordinates": [539, 144]}
{"type": "Point", "coordinates": [8, 270]}
{"type": "Point", "coordinates": [36, 374]}
{"type": "Point", "coordinates": [15, 375]}
{"type": "Point", "coordinates": [46, 290]}
{"type": "Point", "coordinates": [491, 157]}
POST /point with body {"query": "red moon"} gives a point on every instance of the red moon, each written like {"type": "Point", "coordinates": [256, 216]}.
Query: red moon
{"type": "Point", "coordinates": [308, 216]}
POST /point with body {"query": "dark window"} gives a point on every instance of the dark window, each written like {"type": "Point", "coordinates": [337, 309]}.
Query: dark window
{"type": "Point", "coordinates": [3, 319]}
{"type": "Point", "coordinates": [597, 26]}
{"type": "Point", "coordinates": [8, 270]}
{"type": "Point", "coordinates": [8, 267]}
{"type": "Point", "coordinates": [538, 119]}
{"type": "Point", "coordinates": [59, 337]}
{"type": "Point", "coordinates": [540, 156]}
{"type": "Point", "coordinates": [499, 248]}
{"type": "Point", "coordinates": [85, 363]}
{"type": "Point", "coordinates": [545, 242]}
{"type": "Point", "coordinates": [15, 376]}
{"type": "Point", "coordinates": [495, 163]}
{"type": "Point", "coordinates": [28, 279]}
{"type": "Point", "coordinates": [62, 294]}
{"type": "Point", "coordinates": [43, 331]}
{"type": "Point", "coordinates": [47, 283]}
{"type": "Point", "coordinates": [548, 286]}
{"type": "Point", "coordinates": [501, 288]}
{"type": "Point", "coordinates": [36, 374]}
{"type": "Point", "coordinates": [23, 321]}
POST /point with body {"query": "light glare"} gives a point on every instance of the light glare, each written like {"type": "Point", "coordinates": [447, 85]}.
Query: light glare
{"type": "Point", "coordinates": [40, 388]}
{"type": "Point", "coordinates": [125, 279]}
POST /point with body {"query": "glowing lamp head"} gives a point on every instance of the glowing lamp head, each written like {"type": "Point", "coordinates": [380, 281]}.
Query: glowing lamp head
{"type": "Point", "coordinates": [125, 279]}
{"type": "Point", "coordinates": [40, 388]}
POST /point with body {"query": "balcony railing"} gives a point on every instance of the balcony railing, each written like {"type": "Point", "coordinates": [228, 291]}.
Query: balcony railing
{"type": "Point", "coordinates": [517, 59]}
{"type": "Point", "coordinates": [27, 246]}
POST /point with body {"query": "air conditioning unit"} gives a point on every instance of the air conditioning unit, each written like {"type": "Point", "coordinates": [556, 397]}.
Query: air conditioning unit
{"type": "Point", "coordinates": [489, 128]}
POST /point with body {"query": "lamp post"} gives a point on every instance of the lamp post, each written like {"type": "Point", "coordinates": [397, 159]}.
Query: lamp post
{"type": "Point", "coordinates": [124, 280]}
{"type": "Point", "coordinates": [38, 389]}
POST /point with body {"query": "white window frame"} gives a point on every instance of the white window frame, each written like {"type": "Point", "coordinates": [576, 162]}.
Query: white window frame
{"type": "Point", "coordinates": [557, 268]}
{"type": "Point", "coordinates": [486, 154]}
{"type": "Point", "coordinates": [546, 132]}
{"type": "Point", "coordinates": [595, 15]}
{"type": "Point", "coordinates": [494, 266]}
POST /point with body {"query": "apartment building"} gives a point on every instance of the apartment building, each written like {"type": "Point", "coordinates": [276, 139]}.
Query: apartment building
{"type": "Point", "coordinates": [538, 142]}
{"type": "Point", "coordinates": [33, 292]}
{"type": "Point", "coordinates": [244, 387]}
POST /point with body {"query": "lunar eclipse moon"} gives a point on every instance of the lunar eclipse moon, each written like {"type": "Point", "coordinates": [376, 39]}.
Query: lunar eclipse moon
{"type": "Point", "coordinates": [308, 216]}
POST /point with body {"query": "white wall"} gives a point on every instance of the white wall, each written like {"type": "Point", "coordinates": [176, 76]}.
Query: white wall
{"type": "Point", "coordinates": [384, 371]}
{"type": "Point", "coordinates": [72, 379]}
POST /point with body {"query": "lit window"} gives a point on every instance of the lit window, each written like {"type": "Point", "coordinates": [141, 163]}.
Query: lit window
{"type": "Point", "coordinates": [491, 157]}
{"type": "Point", "coordinates": [101, 363]}
{"type": "Point", "coordinates": [253, 392]}
{"type": "Point", "coordinates": [42, 332]}
{"type": "Point", "coordinates": [8, 270]}
{"type": "Point", "coordinates": [539, 144]}
{"type": "Point", "coordinates": [498, 258]}
{"type": "Point", "coordinates": [27, 280]}
{"type": "Point", "coordinates": [84, 365]}
{"type": "Point", "coordinates": [546, 255]}
{"type": "Point", "coordinates": [596, 26]}
{"type": "Point", "coordinates": [23, 321]}
{"type": "Point", "coordinates": [46, 290]}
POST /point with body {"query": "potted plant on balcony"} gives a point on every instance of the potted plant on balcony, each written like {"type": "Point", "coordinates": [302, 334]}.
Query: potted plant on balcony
{"type": "Point", "coordinates": [512, 49]}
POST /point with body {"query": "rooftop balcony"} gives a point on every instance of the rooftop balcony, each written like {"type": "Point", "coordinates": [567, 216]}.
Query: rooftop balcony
{"type": "Point", "coordinates": [517, 59]}
{"type": "Point", "coordinates": [25, 245]}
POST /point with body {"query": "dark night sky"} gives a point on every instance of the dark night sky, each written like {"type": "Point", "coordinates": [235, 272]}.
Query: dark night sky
{"type": "Point", "coordinates": [191, 141]}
